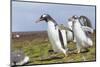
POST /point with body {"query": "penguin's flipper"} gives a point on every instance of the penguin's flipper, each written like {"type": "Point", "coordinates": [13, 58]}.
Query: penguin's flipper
{"type": "Point", "coordinates": [87, 29]}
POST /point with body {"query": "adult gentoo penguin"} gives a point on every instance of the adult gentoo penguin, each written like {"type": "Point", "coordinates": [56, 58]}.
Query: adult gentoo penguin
{"type": "Point", "coordinates": [85, 23]}
{"type": "Point", "coordinates": [56, 36]}
{"type": "Point", "coordinates": [82, 40]}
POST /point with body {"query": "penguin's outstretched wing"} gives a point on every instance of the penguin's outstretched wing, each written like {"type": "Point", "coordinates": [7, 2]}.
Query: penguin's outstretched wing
{"type": "Point", "coordinates": [87, 29]}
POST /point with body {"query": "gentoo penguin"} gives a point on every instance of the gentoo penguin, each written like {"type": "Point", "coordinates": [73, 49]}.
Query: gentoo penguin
{"type": "Point", "coordinates": [86, 25]}
{"type": "Point", "coordinates": [70, 35]}
{"type": "Point", "coordinates": [82, 41]}
{"type": "Point", "coordinates": [85, 21]}
{"type": "Point", "coordinates": [18, 58]}
{"type": "Point", "coordinates": [56, 36]}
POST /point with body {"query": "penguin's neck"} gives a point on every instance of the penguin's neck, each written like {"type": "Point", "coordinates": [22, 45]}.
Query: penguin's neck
{"type": "Point", "coordinates": [51, 24]}
{"type": "Point", "coordinates": [51, 21]}
{"type": "Point", "coordinates": [69, 24]}
{"type": "Point", "coordinates": [76, 23]}
{"type": "Point", "coordinates": [77, 29]}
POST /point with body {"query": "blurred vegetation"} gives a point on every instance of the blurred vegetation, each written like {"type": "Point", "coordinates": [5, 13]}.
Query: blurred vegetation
{"type": "Point", "coordinates": [37, 47]}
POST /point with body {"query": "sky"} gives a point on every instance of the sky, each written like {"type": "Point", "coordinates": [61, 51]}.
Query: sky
{"type": "Point", "coordinates": [24, 14]}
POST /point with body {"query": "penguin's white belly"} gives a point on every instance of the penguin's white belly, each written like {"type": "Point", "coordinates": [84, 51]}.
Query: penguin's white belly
{"type": "Point", "coordinates": [78, 32]}
{"type": "Point", "coordinates": [69, 36]}
{"type": "Point", "coordinates": [54, 37]}
{"type": "Point", "coordinates": [80, 36]}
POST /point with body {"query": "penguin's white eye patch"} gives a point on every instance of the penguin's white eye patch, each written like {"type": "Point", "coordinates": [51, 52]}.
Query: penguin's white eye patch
{"type": "Point", "coordinates": [44, 16]}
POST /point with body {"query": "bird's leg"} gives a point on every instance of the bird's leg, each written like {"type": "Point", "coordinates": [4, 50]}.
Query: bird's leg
{"type": "Point", "coordinates": [74, 40]}
{"type": "Point", "coordinates": [78, 48]}
{"type": "Point", "coordinates": [65, 54]}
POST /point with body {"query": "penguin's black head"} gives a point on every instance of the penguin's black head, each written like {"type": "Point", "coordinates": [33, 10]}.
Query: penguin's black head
{"type": "Point", "coordinates": [44, 17]}
{"type": "Point", "coordinates": [73, 18]}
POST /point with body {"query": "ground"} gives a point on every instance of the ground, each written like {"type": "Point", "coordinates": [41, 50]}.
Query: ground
{"type": "Point", "coordinates": [36, 45]}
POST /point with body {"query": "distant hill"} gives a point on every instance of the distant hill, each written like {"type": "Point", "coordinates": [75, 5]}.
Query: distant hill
{"type": "Point", "coordinates": [30, 35]}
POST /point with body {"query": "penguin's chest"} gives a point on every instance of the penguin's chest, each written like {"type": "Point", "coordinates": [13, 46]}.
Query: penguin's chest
{"type": "Point", "coordinates": [53, 32]}
{"type": "Point", "coordinates": [69, 35]}
{"type": "Point", "coordinates": [69, 25]}
{"type": "Point", "coordinates": [78, 32]}
{"type": "Point", "coordinates": [53, 36]}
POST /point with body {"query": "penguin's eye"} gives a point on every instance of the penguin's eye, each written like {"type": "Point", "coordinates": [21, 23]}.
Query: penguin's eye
{"type": "Point", "coordinates": [43, 15]}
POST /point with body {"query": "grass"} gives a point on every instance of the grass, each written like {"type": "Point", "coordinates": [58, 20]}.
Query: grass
{"type": "Point", "coordinates": [37, 49]}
